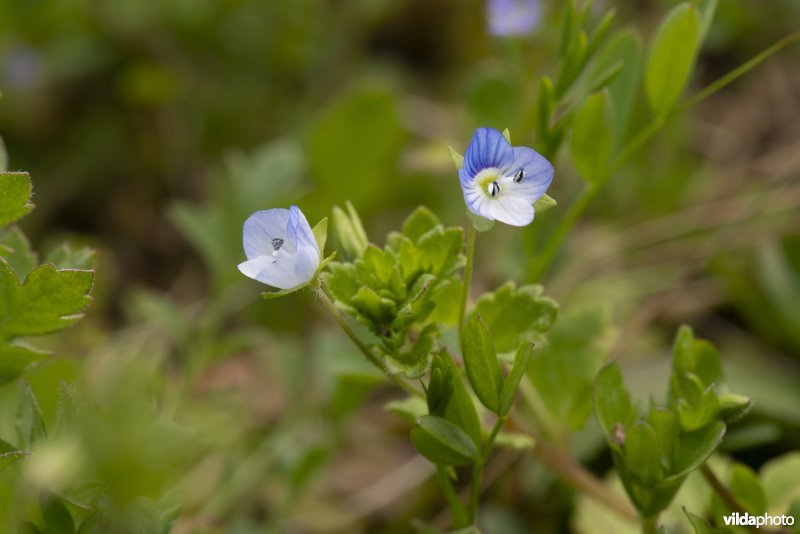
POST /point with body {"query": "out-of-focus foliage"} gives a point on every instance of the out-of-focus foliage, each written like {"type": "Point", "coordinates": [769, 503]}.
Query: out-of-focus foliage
{"type": "Point", "coordinates": [182, 401]}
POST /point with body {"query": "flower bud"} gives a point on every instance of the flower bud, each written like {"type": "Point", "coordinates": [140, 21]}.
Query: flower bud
{"type": "Point", "coordinates": [349, 236]}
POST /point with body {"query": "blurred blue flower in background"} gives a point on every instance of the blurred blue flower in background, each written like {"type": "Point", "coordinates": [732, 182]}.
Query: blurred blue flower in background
{"type": "Point", "coordinates": [512, 17]}
{"type": "Point", "coordinates": [280, 248]}
{"type": "Point", "coordinates": [501, 182]}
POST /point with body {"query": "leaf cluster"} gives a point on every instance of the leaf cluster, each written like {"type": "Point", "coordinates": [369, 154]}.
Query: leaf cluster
{"type": "Point", "coordinates": [656, 451]}
{"type": "Point", "coordinates": [394, 290]}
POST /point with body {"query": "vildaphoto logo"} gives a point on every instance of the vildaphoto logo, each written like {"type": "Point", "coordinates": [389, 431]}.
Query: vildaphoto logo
{"type": "Point", "coordinates": [745, 520]}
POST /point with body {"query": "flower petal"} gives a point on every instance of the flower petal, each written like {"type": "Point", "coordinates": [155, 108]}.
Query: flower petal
{"type": "Point", "coordinates": [512, 17]}
{"type": "Point", "coordinates": [509, 209]}
{"type": "Point", "coordinates": [284, 271]}
{"type": "Point", "coordinates": [299, 231]}
{"type": "Point", "coordinates": [538, 174]}
{"type": "Point", "coordinates": [261, 228]}
{"type": "Point", "coordinates": [488, 148]}
{"type": "Point", "coordinates": [476, 199]}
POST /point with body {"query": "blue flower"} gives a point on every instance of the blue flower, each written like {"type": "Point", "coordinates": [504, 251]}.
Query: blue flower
{"type": "Point", "coordinates": [280, 248]}
{"type": "Point", "coordinates": [512, 17]}
{"type": "Point", "coordinates": [501, 182]}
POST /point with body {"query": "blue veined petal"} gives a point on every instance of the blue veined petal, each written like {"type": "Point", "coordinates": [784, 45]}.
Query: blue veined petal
{"type": "Point", "coordinates": [538, 174]}
{"type": "Point", "coordinates": [299, 231]}
{"type": "Point", "coordinates": [512, 17]}
{"type": "Point", "coordinates": [513, 210]}
{"type": "Point", "coordinates": [476, 200]}
{"type": "Point", "coordinates": [261, 228]}
{"type": "Point", "coordinates": [488, 148]}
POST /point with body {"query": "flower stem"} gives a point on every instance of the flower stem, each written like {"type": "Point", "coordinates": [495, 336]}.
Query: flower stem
{"type": "Point", "coordinates": [365, 350]}
{"type": "Point", "coordinates": [650, 524]}
{"type": "Point", "coordinates": [462, 311]}
{"type": "Point", "coordinates": [477, 472]}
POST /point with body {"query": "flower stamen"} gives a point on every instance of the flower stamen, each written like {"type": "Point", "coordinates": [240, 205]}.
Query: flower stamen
{"type": "Point", "coordinates": [519, 176]}
{"type": "Point", "coordinates": [494, 189]}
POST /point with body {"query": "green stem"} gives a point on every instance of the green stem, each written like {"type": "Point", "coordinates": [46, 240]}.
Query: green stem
{"type": "Point", "coordinates": [460, 514]}
{"type": "Point", "coordinates": [564, 226]}
{"type": "Point", "coordinates": [462, 312]}
{"type": "Point", "coordinates": [650, 524]}
{"type": "Point", "coordinates": [477, 471]}
{"type": "Point", "coordinates": [365, 350]}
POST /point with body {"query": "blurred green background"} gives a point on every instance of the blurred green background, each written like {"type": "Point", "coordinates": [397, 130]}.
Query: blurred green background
{"type": "Point", "coordinates": [153, 129]}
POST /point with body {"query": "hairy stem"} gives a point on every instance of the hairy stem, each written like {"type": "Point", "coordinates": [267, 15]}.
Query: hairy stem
{"type": "Point", "coordinates": [365, 350]}
{"type": "Point", "coordinates": [462, 311]}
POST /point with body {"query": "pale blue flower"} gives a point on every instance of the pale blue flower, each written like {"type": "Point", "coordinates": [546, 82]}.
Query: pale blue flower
{"type": "Point", "coordinates": [501, 182]}
{"type": "Point", "coordinates": [280, 248]}
{"type": "Point", "coordinates": [512, 17]}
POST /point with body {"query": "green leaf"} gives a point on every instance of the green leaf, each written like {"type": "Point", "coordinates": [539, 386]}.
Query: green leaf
{"type": "Point", "coordinates": [458, 159]}
{"type": "Point", "coordinates": [511, 384]}
{"type": "Point", "coordinates": [342, 281]}
{"type": "Point", "coordinates": [15, 194]}
{"type": "Point", "coordinates": [515, 315]}
{"type": "Point", "coordinates": [414, 362]}
{"type": "Point", "coordinates": [698, 357]}
{"type": "Point", "coordinates": [665, 425]}
{"type": "Point", "coordinates": [419, 222]}
{"type": "Point", "coordinates": [613, 404]}
{"type": "Point", "coordinates": [671, 57]}
{"type": "Point", "coordinates": [625, 46]}
{"type": "Point", "coordinates": [46, 302]}
{"type": "Point", "coordinates": [442, 442]}
{"type": "Point", "coordinates": [30, 422]}
{"type": "Point", "coordinates": [16, 360]}
{"type": "Point", "coordinates": [563, 369]}
{"type": "Point", "coordinates": [733, 406]}
{"type": "Point", "coordinates": [544, 203]}
{"type": "Point", "coordinates": [55, 515]}
{"type": "Point", "coordinates": [545, 103]}
{"type": "Point", "coordinates": [747, 488]}
{"type": "Point", "coordinates": [320, 232]}
{"type": "Point", "coordinates": [481, 224]}
{"type": "Point", "coordinates": [481, 364]}
{"type": "Point", "coordinates": [698, 523]}
{"type": "Point", "coordinates": [592, 138]}
{"type": "Point", "coordinates": [780, 478]}
{"type": "Point", "coordinates": [16, 249]}
{"type": "Point", "coordinates": [507, 135]}
{"type": "Point", "coordinates": [10, 457]}
{"type": "Point", "coordinates": [411, 408]}
{"type": "Point", "coordinates": [64, 257]}
{"type": "Point", "coordinates": [695, 447]}
{"type": "Point", "coordinates": [452, 401]}
{"type": "Point", "coordinates": [701, 413]}
{"type": "Point", "coordinates": [379, 310]}
{"type": "Point", "coordinates": [269, 295]}
{"type": "Point", "coordinates": [642, 454]}
{"type": "Point", "coordinates": [440, 250]}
